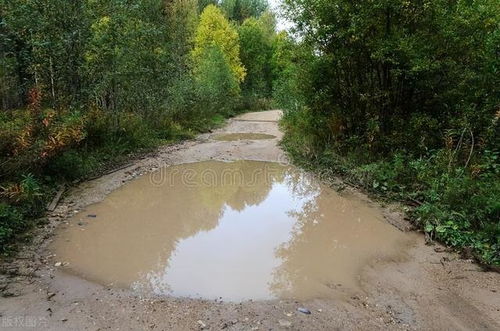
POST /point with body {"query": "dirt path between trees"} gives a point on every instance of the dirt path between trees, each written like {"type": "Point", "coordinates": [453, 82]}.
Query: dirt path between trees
{"type": "Point", "coordinates": [430, 289]}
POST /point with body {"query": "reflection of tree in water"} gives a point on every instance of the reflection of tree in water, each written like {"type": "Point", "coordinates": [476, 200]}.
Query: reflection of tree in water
{"type": "Point", "coordinates": [139, 225]}
{"type": "Point", "coordinates": [200, 206]}
{"type": "Point", "coordinates": [333, 238]}
{"type": "Point", "coordinates": [238, 184]}
{"type": "Point", "coordinates": [300, 184]}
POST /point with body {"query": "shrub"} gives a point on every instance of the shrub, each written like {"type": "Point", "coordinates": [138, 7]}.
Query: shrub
{"type": "Point", "coordinates": [11, 223]}
{"type": "Point", "coordinates": [402, 99]}
{"type": "Point", "coordinates": [217, 87]}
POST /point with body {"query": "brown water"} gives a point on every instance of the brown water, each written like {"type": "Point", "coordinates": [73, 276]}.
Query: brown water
{"type": "Point", "coordinates": [242, 136]}
{"type": "Point", "coordinates": [240, 230]}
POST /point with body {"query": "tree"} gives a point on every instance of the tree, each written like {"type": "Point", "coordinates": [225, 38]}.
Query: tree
{"type": "Point", "coordinates": [203, 3]}
{"type": "Point", "coordinates": [402, 97]}
{"type": "Point", "coordinates": [240, 10]}
{"type": "Point", "coordinates": [41, 47]}
{"type": "Point", "coordinates": [215, 30]}
{"type": "Point", "coordinates": [182, 18]}
{"type": "Point", "coordinates": [126, 59]}
{"type": "Point", "coordinates": [289, 63]}
{"type": "Point", "coordinates": [256, 52]}
{"type": "Point", "coordinates": [389, 71]}
{"type": "Point", "coordinates": [217, 87]}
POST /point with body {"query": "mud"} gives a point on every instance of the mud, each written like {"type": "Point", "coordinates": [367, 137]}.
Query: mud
{"type": "Point", "coordinates": [242, 136]}
{"type": "Point", "coordinates": [429, 288]}
{"type": "Point", "coordinates": [232, 230]}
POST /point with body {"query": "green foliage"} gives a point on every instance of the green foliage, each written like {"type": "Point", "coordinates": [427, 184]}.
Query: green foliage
{"type": "Point", "coordinates": [18, 203]}
{"type": "Point", "coordinates": [388, 72]}
{"type": "Point", "coordinates": [31, 138]}
{"type": "Point", "coordinates": [216, 83]}
{"type": "Point", "coordinates": [401, 98]}
{"type": "Point", "coordinates": [44, 46]}
{"type": "Point", "coordinates": [215, 30]}
{"type": "Point", "coordinates": [11, 222]}
{"type": "Point", "coordinates": [10, 93]}
{"type": "Point", "coordinates": [126, 60]}
{"type": "Point", "coordinates": [287, 71]}
{"type": "Point", "coordinates": [240, 10]}
{"type": "Point", "coordinates": [181, 21]}
{"type": "Point", "coordinates": [455, 206]}
{"type": "Point", "coordinates": [75, 164]}
{"type": "Point", "coordinates": [256, 52]}
{"type": "Point", "coordinates": [85, 83]}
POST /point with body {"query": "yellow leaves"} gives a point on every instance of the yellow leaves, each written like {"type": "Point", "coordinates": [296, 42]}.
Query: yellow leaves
{"type": "Point", "coordinates": [100, 29]}
{"type": "Point", "coordinates": [159, 51]}
{"type": "Point", "coordinates": [12, 192]}
{"type": "Point", "coordinates": [105, 20]}
{"type": "Point", "coordinates": [101, 23]}
{"type": "Point", "coordinates": [48, 117]}
{"type": "Point", "coordinates": [62, 136]}
{"type": "Point", "coordinates": [43, 135]}
{"type": "Point", "coordinates": [23, 140]}
{"type": "Point", "coordinates": [89, 57]}
{"type": "Point", "coordinates": [215, 30]}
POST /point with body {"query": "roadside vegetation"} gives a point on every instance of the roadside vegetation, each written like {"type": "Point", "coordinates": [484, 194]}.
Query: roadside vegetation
{"type": "Point", "coordinates": [398, 97]}
{"type": "Point", "coordinates": [85, 83]}
{"type": "Point", "coordinates": [401, 98]}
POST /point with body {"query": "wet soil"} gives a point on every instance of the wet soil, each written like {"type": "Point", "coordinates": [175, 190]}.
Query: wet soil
{"type": "Point", "coordinates": [419, 287]}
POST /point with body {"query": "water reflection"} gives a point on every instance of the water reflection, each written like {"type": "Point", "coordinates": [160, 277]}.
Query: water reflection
{"type": "Point", "coordinates": [264, 231]}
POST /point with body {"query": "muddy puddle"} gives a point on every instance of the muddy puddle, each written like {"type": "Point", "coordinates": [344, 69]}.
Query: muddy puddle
{"type": "Point", "coordinates": [242, 136]}
{"type": "Point", "coordinates": [236, 231]}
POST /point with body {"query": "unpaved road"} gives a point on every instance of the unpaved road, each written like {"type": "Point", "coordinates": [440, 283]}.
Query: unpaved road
{"type": "Point", "coordinates": [429, 289]}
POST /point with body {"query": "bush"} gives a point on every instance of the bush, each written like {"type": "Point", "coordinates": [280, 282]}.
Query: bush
{"type": "Point", "coordinates": [125, 130]}
{"type": "Point", "coordinates": [11, 223]}
{"type": "Point", "coordinates": [454, 205]}
{"type": "Point", "coordinates": [392, 75]}
{"type": "Point", "coordinates": [19, 202]}
{"type": "Point", "coordinates": [217, 87]}
{"type": "Point", "coordinates": [31, 138]}
{"type": "Point", "coordinates": [401, 98]}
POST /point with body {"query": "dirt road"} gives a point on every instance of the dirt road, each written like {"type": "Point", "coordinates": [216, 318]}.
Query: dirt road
{"type": "Point", "coordinates": [430, 289]}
